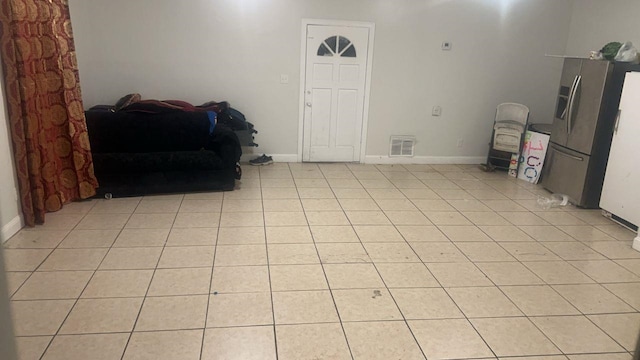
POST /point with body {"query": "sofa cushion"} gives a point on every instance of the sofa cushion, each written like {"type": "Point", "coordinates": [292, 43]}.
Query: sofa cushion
{"type": "Point", "coordinates": [112, 163]}
{"type": "Point", "coordinates": [122, 132]}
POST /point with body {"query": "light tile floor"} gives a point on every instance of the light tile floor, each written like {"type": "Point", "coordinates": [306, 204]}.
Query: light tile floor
{"type": "Point", "coordinates": [328, 261]}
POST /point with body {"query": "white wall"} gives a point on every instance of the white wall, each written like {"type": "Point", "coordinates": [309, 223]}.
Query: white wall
{"type": "Point", "coordinates": [7, 341]}
{"type": "Point", "coordinates": [10, 215]}
{"type": "Point", "coordinates": [235, 50]}
{"type": "Point", "coordinates": [595, 23]}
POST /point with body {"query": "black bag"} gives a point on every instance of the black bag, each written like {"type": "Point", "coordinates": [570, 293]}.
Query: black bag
{"type": "Point", "coordinates": [233, 118]}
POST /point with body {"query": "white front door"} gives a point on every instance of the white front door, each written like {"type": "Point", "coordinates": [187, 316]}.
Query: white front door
{"type": "Point", "coordinates": [334, 92]}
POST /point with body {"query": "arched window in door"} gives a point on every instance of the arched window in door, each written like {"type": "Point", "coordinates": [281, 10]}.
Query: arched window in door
{"type": "Point", "coordinates": [337, 45]}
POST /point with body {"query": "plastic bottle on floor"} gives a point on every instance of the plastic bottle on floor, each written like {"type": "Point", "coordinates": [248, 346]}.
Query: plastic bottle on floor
{"type": "Point", "coordinates": [555, 200]}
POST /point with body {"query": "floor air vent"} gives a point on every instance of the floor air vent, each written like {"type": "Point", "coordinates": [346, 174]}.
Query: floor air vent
{"type": "Point", "coordinates": [401, 146]}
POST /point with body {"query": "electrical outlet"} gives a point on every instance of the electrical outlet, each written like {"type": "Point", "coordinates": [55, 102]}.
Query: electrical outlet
{"type": "Point", "coordinates": [284, 79]}
{"type": "Point", "coordinates": [460, 143]}
{"type": "Point", "coordinates": [446, 45]}
{"type": "Point", "coordinates": [436, 111]}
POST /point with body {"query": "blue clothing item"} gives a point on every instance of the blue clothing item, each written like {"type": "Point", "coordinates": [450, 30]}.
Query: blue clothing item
{"type": "Point", "coordinates": [212, 120]}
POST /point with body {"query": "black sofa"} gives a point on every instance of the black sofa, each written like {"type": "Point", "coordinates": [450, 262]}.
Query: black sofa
{"type": "Point", "coordinates": [140, 153]}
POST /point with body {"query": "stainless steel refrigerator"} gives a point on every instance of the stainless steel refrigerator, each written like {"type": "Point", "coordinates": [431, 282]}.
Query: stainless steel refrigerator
{"type": "Point", "coordinates": [582, 129]}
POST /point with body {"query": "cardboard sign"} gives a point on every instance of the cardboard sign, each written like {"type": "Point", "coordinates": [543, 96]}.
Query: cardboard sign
{"type": "Point", "coordinates": [513, 165]}
{"type": "Point", "coordinates": [532, 156]}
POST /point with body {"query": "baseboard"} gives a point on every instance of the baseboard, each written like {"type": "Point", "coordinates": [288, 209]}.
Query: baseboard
{"type": "Point", "coordinates": [421, 160]}
{"type": "Point", "coordinates": [12, 227]}
{"type": "Point", "coordinates": [383, 159]}
{"type": "Point", "coordinates": [276, 157]}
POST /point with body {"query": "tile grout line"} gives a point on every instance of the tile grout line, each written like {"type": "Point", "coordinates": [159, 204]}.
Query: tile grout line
{"type": "Point", "coordinates": [404, 319]}
{"type": "Point", "coordinates": [362, 244]}
{"type": "Point", "coordinates": [326, 279]}
{"type": "Point", "coordinates": [415, 339]}
{"type": "Point", "coordinates": [536, 241]}
{"type": "Point", "coordinates": [493, 240]}
{"type": "Point", "coordinates": [51, 252]}
{"type": "Point", "coordinates": [502, 292]}
{"type": "Point", "coordinates": [306, 290]}
{"type": "Point", "coordinates": [552, 286]}
{"type": "Point", "coordinates": [86, 285]}
{"type": "Point", "coordinates": [498, 287]}
{"type": "Point", "coordinates": [443, 289]}
{"type": "Point", "coordinates": [213, 262]}
{"type": "Point", "coordinates": [124, 351]}
{"type": "Point", "coordinates": [546, 284]}
{"type": "Point", "coordinates": [266, 249]}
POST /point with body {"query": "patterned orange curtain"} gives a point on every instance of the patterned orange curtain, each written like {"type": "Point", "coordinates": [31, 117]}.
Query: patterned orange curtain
{"type": "Point", "coordinates": [46, 117]}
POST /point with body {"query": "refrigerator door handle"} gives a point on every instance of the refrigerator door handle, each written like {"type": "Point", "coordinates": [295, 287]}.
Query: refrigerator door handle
{"type": "Point", "coordinates": [560, 152]}
{"type": "Point", "coordinates": [615, 128]}
{"type": "Point", "coordinates": [576, 85]}
{"type": "Point", "coordinates": [564, 113]}
{"type": "Point", "coordinates": [570, 99]}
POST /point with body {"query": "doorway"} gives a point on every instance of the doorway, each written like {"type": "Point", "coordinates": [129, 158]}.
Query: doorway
{"type": "Point", "coordinates": [335, 82]}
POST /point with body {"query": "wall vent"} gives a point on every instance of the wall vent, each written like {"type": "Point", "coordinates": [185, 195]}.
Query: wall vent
{"type": "Point", "coordinates": [401, 146]}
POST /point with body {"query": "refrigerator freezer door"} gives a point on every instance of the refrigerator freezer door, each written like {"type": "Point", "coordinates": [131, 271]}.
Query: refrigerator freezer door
{"type": "Point", "coordinates": [570, 73]}
{"type": "Point", "coordinates": [622, 179]}
{"type": "Point", "coordinates": [587, 103]}
{"type": "Point", "coordinates": [565, 172]}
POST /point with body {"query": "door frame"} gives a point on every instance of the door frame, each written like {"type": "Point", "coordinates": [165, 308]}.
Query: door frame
{"type": "Point", "coordinates": [303, 72]}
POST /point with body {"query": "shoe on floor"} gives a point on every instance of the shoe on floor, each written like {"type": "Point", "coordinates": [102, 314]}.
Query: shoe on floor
{"type": "Point", "coordinates": [262, 160]}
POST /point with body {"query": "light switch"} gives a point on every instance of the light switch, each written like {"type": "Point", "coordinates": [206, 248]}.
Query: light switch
{"type": "Point", "coordinates": [446, 45]}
